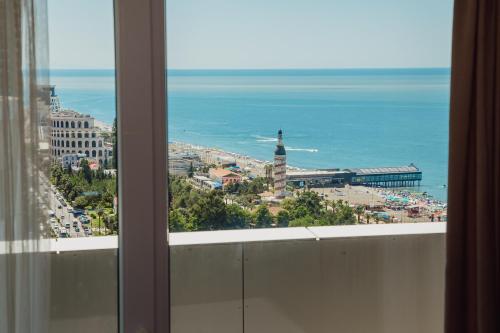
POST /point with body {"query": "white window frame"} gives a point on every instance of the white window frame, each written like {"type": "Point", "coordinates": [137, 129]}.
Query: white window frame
{"type": "Point", "coordinates": [144, 303]}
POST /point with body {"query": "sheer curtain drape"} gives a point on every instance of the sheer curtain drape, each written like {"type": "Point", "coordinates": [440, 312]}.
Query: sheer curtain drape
{"type": "Point", "coordinates": [24, 269]}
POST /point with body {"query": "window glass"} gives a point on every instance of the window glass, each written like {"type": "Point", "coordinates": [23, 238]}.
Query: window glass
{"type": "Point", "coordinates": [83, 194]}
{"type": "Point", "coordinates": [305, 113]}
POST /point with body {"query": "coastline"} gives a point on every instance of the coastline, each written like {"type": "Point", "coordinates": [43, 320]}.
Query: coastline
{"type": "Point", "coordinates": [389, 203]}
{"type": "Point", "coordinates": [213, 155]}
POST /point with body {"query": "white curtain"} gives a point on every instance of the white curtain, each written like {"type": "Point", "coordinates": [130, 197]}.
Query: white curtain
{"type": "Point", "coordinates": [24, 112]}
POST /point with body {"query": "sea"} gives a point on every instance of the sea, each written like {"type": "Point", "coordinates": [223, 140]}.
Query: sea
{"type": "Point", "coordinates": [331, 118]}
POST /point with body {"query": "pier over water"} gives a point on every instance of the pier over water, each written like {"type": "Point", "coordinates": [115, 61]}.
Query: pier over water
{"type": "Point", "coordinates": [404, 176]}
{"type": "Point", "coordinates": [387, 177]}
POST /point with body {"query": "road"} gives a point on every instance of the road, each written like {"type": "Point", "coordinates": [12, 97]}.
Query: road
{"type": "Point", "coordinates": [64, 215]}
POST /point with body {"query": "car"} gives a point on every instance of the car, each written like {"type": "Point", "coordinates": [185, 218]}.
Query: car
{"type": "Point", "coordinates": [75, 223]}
{"type": "Point", "coordinates": [77, 229]}
{"type": "Point", "coordinates": [63, 233]}
{"type": "Point", "coordinates": [51, 213]}
{"type": "Point", "coordinates": [67, 225]}
{"type": "Point", "coordinates": [59, 206]}
{"type": "Point", "coordinates": [84, 219]}
{"type": "Point", "coordinates": [70, 209]}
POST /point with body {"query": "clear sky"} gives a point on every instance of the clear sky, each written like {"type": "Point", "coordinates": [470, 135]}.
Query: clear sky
{"type": "Point", "coordinates": [267, 33]}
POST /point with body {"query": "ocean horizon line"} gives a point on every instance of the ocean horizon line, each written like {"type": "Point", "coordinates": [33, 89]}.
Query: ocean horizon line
{"type": "Point", "coordinates": [267, 69]}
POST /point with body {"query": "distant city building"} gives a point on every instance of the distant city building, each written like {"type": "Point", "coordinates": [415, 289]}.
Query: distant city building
{"type": "Point", "coordinates": [207, 183]}
{"type": "Point", "coordinates": [280, 167]}
{"type": "Point", "coordinates": [402, 176]}
{"type": "Point", "coordinates": [319, 178]}
{"type": "Point", "coordinates": [75, 133]}
{"type": "Point", "coordinates": [72, 160]}
{"type": "Point", "coordinates": [384, 177]}
{"type": "Point", "coordinates": [223, 176]}
{"type": "Point", "coordinates": [179, 163]}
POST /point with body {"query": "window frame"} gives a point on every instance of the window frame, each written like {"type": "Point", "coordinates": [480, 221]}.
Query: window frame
{"type": "Point", "coordinates": [143, 254]}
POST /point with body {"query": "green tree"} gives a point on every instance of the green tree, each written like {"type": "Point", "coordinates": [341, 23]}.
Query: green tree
{"type": "Point", "coordinates": [100, 213]}
{"type": "Point", "coordinates": [237, 218]}
{"type": "Point", "coordinates": [68, 169]}
{"type": "Point", "coordinates": [80, 202]}
{"type": "Point", "coordinates": [262, 217]}
{"type": "Point", "coordinates": [115, 144]}
{"type": "Point", "coordinates": [283, 218]}
{"type": "Point", "coordinates": [178, 221]}
{"type": "Point", "coordinates": [344, 213]}
{"type": "Point", "coordinates": [305, 221]}
{"type": "Point", "coordinates": [190, 172]}
{"type": "Point", "coordinates": [359, 210]}
{"type": "Point", "coordinates": [269, 175]}
{"type": "Point", "coordinates": [85, 170]}
{"type": "Point", "coordinates": [306, 203]}
{"type": "Point", "coordinates": [209, 212]}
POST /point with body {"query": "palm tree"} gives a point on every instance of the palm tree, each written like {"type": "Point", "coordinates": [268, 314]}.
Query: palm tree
{"type": "Point", "coordinates": [100, 212]}
{"type": "Point", "coordinates": [269, 175]}
{"type": "Point", "coordinates": [359, 210]}
{"type": "Point", "coordinates": [367, 216]}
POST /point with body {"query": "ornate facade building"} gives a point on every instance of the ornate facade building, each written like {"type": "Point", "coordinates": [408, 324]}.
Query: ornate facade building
{"type": "Point", "coordinates": [280, 168]}
{"type": "Point", "coordinates": [74, 133]}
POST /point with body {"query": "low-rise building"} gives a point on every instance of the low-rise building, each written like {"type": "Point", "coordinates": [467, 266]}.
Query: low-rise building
{"type": "Point", "coordinates": [223, 176]}
{"type": "Point", "coordinates": [179, 163]}
{"type": "Point", "coordinates": [206, 183]}
{"type": "Point", "coordinates": [72, 160]}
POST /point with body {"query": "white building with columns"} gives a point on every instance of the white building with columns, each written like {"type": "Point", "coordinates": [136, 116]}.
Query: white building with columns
{"type": "Point", "coordinates": [280, 168]}
{"type": "Point", "coordinates": [76, 133]}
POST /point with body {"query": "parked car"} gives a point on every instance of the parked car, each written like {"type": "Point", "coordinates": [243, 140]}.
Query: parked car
{"type": "Point", "coordinates": [67, 225]}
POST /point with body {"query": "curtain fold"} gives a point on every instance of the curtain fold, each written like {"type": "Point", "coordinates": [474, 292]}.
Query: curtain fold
{"type": "Point", "coordinates": [473, 235]}
{"type": "Point", "coordinates": [24, 112]}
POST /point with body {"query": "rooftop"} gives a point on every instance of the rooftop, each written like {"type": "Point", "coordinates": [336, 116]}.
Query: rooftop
{"type": "Point", "coordinates": [67, 113]}
{"type": "Point", "coordinates": [385, 170]}
{"type": "Point", "coordinates": [315, 173]}
{"type": "Point", "coordinates": [221, 173]}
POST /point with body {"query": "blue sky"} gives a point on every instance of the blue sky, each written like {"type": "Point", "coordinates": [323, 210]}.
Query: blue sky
{"type": "Point", "coordinates": [267, 33]}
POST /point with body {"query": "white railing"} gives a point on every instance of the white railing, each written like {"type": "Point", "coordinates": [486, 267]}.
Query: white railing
{"type": "Point", "coordinates": [363, 278]}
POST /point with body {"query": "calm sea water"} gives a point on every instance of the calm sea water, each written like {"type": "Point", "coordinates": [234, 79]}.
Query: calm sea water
{"type": "Point", "coordinates": [330, 118]}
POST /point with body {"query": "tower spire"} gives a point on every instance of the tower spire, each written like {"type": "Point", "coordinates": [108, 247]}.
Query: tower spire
{"type": "Point", "coordinates": [280, 167]}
